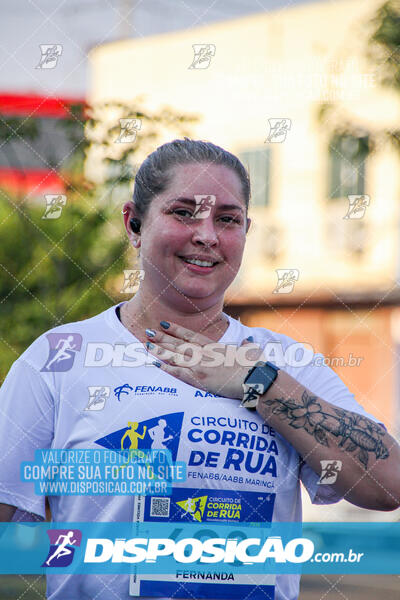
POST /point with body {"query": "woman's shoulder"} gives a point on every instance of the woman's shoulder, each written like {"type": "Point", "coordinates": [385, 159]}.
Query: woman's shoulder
{"type": "Point", "coordinates": [278, 348]}
{"type": "Point", "coordinates": [65, 337]}
{"type": "Point", "coordinates": [261, 335]}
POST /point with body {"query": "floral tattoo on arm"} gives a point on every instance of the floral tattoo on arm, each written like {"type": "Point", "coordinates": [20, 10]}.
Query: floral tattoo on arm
{"type": "Point", "coordinates": [358, 434]}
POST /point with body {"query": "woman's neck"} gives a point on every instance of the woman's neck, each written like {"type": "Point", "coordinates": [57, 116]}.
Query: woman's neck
{"type": "Point", "coordinates": [138, 315]}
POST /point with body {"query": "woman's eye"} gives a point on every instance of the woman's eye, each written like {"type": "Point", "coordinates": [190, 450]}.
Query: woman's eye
{"type": "Point", "coordinates": [228, 219]}
{"type": "Point", "coordinates": [182, 212]}
{"type": "Point", "coordinates": [186, 213]}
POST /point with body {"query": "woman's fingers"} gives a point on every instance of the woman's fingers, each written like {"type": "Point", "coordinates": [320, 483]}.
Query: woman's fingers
{"type": "Point", "coordinates": [212, 354]}
{"type": "Point", "coordinates": [182, 333]}
{"type": "Point", "coordinates": [176, 354]}
{"type": "Point", "coordinates": [163, 351]}
{"type": "Point", "coordinates": [218, 368]}
{"type": "Point", "coordinates": [181, 373]}
{"type": "Point", "coordinates": [250, 351]}
{"type": "Point", "coordinates": [167, 345]}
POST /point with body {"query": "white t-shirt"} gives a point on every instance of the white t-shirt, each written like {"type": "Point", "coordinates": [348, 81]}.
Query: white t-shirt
{"type": "Point", "coordinates": [61, 393]}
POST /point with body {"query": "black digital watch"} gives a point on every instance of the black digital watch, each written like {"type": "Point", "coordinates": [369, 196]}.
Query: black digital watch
{"type": "Point", "coordinates": [258, 380]}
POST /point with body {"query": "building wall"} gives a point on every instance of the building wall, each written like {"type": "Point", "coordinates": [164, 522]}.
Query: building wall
{"type": "Point", "coordinates": [288, 64]}
{"type": "Point", "coordinates": [346, 336]}
{"type": "Point", "coordinates": [272, 65]}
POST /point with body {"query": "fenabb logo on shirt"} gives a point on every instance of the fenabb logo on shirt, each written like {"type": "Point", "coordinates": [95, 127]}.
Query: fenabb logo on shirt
{"type": "Point", "coordinates": [126, 390]}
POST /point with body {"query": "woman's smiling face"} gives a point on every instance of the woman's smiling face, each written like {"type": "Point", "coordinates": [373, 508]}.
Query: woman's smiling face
{"type": "Point", "coordinates": [175, 233]}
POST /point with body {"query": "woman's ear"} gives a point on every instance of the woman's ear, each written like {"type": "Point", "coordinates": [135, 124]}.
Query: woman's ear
{"type": "Point", "coordinates": [132, 223]}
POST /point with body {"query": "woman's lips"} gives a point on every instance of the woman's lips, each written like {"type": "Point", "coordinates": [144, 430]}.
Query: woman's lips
{"type": "Point", "coordinates": [197, 268]}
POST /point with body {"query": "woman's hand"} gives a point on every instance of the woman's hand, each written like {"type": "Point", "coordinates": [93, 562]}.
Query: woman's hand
{"type": "Point", "coordinates": [198, 361]}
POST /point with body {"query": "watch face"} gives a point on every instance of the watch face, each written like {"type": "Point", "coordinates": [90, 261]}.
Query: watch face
{"type": "Point", "coordinates": [264, 373]}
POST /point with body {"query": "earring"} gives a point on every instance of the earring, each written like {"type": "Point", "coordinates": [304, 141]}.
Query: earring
{"type": "Point", "coordinates": [124, 212]}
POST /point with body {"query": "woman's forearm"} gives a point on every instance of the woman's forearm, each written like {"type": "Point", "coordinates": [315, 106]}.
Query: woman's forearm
{"type": "Point", "coordinates": [368, 473]}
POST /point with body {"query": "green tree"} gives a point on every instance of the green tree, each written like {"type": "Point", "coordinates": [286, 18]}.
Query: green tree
{"type": "Point", "coordinates": [384, 52]}
{"type": "Point", "coordinates": [58, 270]}
{"type": "Point", "coordinates": [382, 49]}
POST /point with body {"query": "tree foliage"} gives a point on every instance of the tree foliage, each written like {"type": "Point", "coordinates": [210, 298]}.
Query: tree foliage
{"type": "Point", "coordinates": [65, 269]}
{"type": "Point", "coordinates": [382, 49]}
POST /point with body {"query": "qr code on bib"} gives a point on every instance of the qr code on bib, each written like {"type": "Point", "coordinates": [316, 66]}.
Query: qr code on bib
{"type": "Point", "coordinates": [159, 507]}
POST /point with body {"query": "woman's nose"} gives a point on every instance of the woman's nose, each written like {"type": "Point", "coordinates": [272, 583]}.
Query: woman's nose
{"type": "Point", "coordinates": [204, 232]}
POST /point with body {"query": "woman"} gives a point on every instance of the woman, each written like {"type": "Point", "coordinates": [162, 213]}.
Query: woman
{"type": "Point", "coordinates": [75, 387]}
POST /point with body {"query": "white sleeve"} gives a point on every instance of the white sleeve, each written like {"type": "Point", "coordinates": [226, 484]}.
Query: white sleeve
{"type": "Point", "coordinates": [325, 383]}
{"type": "Point", "coordinates": [26, 424]}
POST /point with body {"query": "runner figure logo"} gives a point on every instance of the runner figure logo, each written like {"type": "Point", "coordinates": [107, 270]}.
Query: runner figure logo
{"type": "Point", "coordinates": [158, 433]}
{"type": "Point", "coordinates": [251, 394]}
{"type": "Point", "coordinates": [193, 507]}
{"type": "Point", "coordinates": [330, 471]}
{"type": "Point", "coordinates": [278, 129]}
{"type": "Point", "coordinates": [286, 280]}
{"type": "Point", "coordinates": [62, 547]}
{"type": "Point", "coordinates": [204, 203]}
{"type": "Point", "coordinates": [357, 206]}
{"type": "Point", "coordinates": [203, 54]}
{"type": "Point", "coordinates": [50, 55]}
{"type": "Point", "coordinates": [98, 395]}
{"type": "Point", "coordinates": [54, 205]}
{"type": "Point", "coordinates": [132, 279]}
{"type": "Point", "coordinates": [63, 347]}
{"type": "Point", "coordinates": [129, 128]}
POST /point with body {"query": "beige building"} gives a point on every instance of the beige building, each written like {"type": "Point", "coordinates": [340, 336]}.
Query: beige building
{"type": "Point", "coordinates": [276, 88]}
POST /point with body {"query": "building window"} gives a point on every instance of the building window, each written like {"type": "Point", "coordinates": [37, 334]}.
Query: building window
{"type": "Point", "coordinates": [257, 162]}
{"type": "Point", "coordinates": [347, 155]}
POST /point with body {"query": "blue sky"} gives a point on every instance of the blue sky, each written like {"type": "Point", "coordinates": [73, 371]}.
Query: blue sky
{"type": "Point", "coordinates": [79, 25]}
